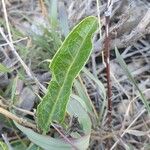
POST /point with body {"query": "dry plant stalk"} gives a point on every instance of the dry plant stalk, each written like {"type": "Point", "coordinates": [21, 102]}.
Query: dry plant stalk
{"type": "Point", "coordinates": [17, 119]}
{"type": "Point", "coordinates": [43, 8]}
{"type": "Point", "coordinates": [107, 58]}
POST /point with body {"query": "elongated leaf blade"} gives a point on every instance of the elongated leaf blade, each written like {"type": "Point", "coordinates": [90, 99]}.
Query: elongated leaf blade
{"type": "Point", "coordinates": [101, 89]}
{"type": "Point", "coordinates": [97, 81]}
{"type": "Point", "coordinates": [127, 72]}
{"type": "Point", "coordinates": [65, 66]}
{"type": "Point", "coordinates": [81, 90]}
{"type": "Point", "coordinates": [54, 13]}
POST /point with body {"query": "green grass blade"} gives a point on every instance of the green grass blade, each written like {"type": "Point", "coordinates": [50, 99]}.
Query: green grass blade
{"type": "Point", "coordinates": [101, 91]}
{"type": "Point", "coordinates": [81, 90]}
{"type": "Point", "coordinates": [54, 14]}
{"type": "Point", "coordinates": [127, 72]}
{"type": "Point", "coordinates": [97, 81]}
{"type": "Point", "coordinates": [65, 66]}
{"type": "Point", "coordinates": [4, 69]}
{"type": "Point", "coordinates": [63, 19]}
{"type": "Point", "coordinates": [3, 146]}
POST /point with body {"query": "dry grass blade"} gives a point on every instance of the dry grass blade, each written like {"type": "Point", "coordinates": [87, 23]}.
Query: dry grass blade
{"type": "Point", "coordinates": [125, 131]}
{"type": "Point", "coordinates": [31, 33]}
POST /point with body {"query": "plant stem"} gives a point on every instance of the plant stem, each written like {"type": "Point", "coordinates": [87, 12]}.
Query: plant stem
{"type": "Point", "coordinates": [107, 59]}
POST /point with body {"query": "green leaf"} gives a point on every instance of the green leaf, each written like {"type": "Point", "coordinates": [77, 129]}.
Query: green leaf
{"type": "Point", "coordinates": [127, 72]}
{"type": "Point", "coordinates": [4, 69]}
{"type": "Point", "coordinates": [65, 66]}
{"type": "Point", "coordinates": [101, 89]}
{"type": "Point", "coordinates": [100, 85]}
{"type": "Point", "coordinates": [75, 108]}
{"type": "Point", "coordinates": [3, 146]}
{"type": "Point", "coordinates": [82, 92]}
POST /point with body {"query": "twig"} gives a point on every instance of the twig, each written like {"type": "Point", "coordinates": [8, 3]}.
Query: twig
{"type": "Point", "coordinates": [17, 119]}
{"type": "Point", "coordinates": [107, 57]}
{"type": "Point", "coordinates": [6, 106]}
{"type": "Point", "coordinates": [64, 137]}
{"type": "Point", "coordinates": [24, 111]}
{"type": "Point", "coordinates": [17, 41]}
